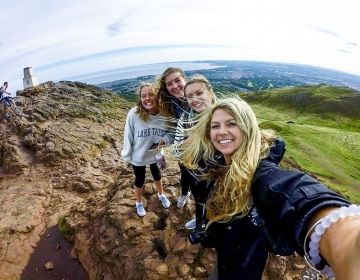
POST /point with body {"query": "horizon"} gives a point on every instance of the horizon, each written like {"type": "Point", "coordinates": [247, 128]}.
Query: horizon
{"type": "Point", "coordinates": [63, 43]}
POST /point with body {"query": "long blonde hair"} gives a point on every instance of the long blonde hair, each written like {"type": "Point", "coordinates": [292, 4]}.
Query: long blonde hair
{"type": "Point", "coordinates": [232, 195]}
{"type": "Point", "coordinates": [143, 113]}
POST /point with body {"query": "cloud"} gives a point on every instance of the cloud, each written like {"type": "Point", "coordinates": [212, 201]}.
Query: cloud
{"type": "Point", "coordinates": [70, 37]}
{"type": "Point", "coordinates": [352, 44]}
{"type": "Point", "coordinates": [115, 28]}
{"type": "Point", "coordinates": [343, 51]}
{"type": "Point", "coordinates": [326, 31]}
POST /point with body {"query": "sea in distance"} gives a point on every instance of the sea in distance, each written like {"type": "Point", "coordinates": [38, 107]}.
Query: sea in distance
{"type": "Point", "coordinates": [141, 70]}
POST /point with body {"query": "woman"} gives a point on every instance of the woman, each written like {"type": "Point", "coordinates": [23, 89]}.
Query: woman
{"type": "Point", "coordinates": [171, 85]}
{"type": "Point", "coordinates": [255, 207]}
{"type": "Point", "coordinates": [144, 127]}
{"type": "Point", "coordinates": [173, 104]}
{"type": "Point", "coordinates": [199, 95]}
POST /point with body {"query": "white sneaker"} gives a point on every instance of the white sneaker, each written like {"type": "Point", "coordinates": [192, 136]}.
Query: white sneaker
{"type": "Point", "coordinates": [182, 200]}
{"type": "Point", "coordinates": [164, 201]}
{"type": "Point", "coordinates": [191, 224]}
{"type": "Point", "coordinates": [140, 210]}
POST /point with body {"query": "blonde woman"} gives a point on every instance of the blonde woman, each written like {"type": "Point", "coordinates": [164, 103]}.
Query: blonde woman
{"type": "Point", "coordinates": [199, 95]}
{"type": "Point", "coordinates": [145, 127]}
{"type": "Point", "coordinates": [255, 207]}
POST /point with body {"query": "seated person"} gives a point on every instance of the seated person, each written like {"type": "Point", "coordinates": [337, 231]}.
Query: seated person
{"type": "Point", "coordinates": [6, 99]}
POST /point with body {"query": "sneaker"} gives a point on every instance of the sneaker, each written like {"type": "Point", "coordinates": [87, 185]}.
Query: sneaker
{"type": "Point", "coordinates": [191, 224]}
{"type": "Point", "coordinates": [182, 200]}
{"type": "Point", "coordinates": [140, 210]}
{"type": "Point", "coordinates": [164, 201]}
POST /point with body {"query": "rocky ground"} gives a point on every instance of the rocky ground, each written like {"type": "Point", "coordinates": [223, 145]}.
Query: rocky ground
{"type": "Point", "coordinates": [60, 161]}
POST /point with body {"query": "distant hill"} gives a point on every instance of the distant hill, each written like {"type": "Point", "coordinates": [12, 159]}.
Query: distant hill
{"type": "Point", "coordinates": [320, 99]}
{"type": "Point", "coordinates": [321, 128]}
{"type": "Point", "coordinates": [250, 76]}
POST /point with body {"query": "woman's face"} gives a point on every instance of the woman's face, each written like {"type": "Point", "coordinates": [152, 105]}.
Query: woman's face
{"type": "Point", "coordinates": [149, 100]}
{"type": "Point", "coordinates": [225, 134]}
{"type": "Point", "coordinates": [175, 84]}
{"type": "Point", "coordinates": [198, 97]}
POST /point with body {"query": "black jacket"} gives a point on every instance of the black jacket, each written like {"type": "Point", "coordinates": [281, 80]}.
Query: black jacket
{"type": "Point", "coordinates": [284, 201]}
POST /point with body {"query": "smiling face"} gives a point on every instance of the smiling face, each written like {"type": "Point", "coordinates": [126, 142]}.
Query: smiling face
{"type": "Point", "coordinates": [198, 97]}
{"type": "Point", "coordinates": [175, 84]}
{"type": "Point", "coordinates": [225, 134]}
{"type": "Point", "coordinates": [149, 100]}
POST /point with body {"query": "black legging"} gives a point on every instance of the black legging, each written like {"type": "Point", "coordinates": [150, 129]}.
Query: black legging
{"type": "Point", "coordinates": [139, 172]}
{"type": "Point", "coordinates": [185, 179]}
{"type": "Point", "coordinates": [199, 189]}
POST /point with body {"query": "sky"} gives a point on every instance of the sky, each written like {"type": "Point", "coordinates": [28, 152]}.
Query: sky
{"type": "Point", "coordinates": [65, 39]}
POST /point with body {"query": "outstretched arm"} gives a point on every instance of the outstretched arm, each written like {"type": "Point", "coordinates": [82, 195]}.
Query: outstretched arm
{"type": "Point", "coordinates": [340, 245]}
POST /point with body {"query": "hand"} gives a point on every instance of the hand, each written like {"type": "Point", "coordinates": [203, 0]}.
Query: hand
{"type": "Point", "coordinates": [161, 143]}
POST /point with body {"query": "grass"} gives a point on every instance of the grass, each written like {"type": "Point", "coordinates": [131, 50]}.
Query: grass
{"type": "Point", "coordinates": [64, 227]}
{"type": "Point", "coordinates": [326, 147]}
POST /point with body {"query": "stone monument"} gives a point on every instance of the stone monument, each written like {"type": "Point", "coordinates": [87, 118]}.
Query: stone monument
{"type": "Point", "coordinates": [29, 80]}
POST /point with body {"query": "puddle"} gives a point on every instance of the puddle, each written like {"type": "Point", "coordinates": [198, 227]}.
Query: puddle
{"type": "Point", "coordinates": [53, 248]}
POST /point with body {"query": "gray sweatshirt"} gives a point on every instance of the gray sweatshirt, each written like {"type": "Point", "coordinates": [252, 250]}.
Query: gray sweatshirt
{"type": "Point", "coordinates": [139, 136]}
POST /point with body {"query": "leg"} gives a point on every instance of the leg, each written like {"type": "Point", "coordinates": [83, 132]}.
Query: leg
{"type": "Point", "coordinates": [159, 187]}
{"type": "Point", "coordinates": [139, 172]}
{"type": "Point", "coordinates": [184, 180]}
{"type": "Point", "coordinates": [156, 174]}
{"type": "Point", "coordinates": [138, 194]}
{"type": "Point", "coordinates": [200, 191]}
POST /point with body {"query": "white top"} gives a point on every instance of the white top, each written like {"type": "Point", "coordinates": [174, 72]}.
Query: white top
{"type": "Point", "coordinates": [139, 136]}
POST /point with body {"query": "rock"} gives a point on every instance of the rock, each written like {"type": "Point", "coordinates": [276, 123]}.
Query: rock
{"type": "Point", "coordinates": [61, 162]}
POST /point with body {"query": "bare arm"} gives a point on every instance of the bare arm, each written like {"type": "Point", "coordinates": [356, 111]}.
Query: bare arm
{"type": "Point", "coordinates": [340, 245]}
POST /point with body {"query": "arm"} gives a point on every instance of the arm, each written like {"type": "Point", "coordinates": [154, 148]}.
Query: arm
{"type": "Point", "coordinates": [179, 135]}
{"type": "Point", "coordinates": [340, 245]}
{"type": "Point", "coordinates": [128, 138]}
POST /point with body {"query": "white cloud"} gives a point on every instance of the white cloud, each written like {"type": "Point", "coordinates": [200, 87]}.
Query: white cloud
{"type": "Point", "coordinates": [67, 35]}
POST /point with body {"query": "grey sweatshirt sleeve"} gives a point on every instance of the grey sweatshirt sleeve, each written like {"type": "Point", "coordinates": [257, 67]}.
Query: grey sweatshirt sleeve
{"type": "Point", "coordinates": [128, 137]}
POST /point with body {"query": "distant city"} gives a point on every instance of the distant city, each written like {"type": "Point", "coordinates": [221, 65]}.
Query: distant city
{"type": "Point", "coordinates": [227, 76]}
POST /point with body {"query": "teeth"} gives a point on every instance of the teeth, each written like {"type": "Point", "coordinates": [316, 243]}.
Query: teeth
{"type": "Point", "coordinates": [225, 141]}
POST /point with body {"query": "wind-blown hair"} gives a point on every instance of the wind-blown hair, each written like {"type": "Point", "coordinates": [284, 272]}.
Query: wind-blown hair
{"type": "Point", "coordinates": [165, 98]}
{"type": "Point", "coordinates": [143, 113]}
{"type": "Point", "coordinates": [201, 80]}
{"type": "Point", "coordinates": [232, 195]}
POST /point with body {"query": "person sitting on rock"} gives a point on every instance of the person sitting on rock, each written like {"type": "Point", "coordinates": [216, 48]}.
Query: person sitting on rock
{"type": "Point", "coordinates": [7, 100]}
{"type": "Point", "coordinates": [145, 126]}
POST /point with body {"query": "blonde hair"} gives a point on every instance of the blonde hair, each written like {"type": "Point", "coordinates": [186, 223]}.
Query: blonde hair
{"type": "Point", "coordinates": [201, 80]}
{"type": "Point", "coordinates": [233, 188]}
{"type": "Point", "coordinates": [143, 113]}
{"type": "Point", "coordinates": [163, 93]}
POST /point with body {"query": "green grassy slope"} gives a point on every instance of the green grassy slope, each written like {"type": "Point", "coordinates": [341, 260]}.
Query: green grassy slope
{"type": "Point", "coordinates": [323, 142]}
